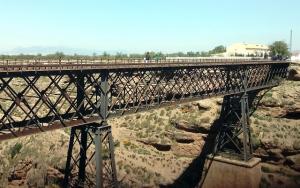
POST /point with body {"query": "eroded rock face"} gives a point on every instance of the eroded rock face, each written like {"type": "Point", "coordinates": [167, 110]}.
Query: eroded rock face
{"type": "Point", "coordinates": [262, 153]}
{"type": "Point", "coordinates": [292, 114]}
{"type": "Point", "coordinates": [27, 173]}
{"type": "Point", "coordinates": [54, 176]}
{"type": "Point", "coordinates": [294, 162]}
{"type": "Point", "coordinates": [188, 150]}
{"type": "Point", "coordinates": [203, 127]}
{"type": "Point", "coordinates": [193, 128]}
{"type": "Point", "coordinates": [294, 75]}
{"type": "Point", "coordinates": [183, 138]}
{"type": "Point", "coordinates": [276, 154]}
{"type": "Point", "coordinates": [185, 126]}
{"type": "Point", "coordinates": [17, 176]}
{"type": "Point", "coordinates": [158, 145]}
{"type": "Point", "coordinates": [162, 147]}
{"type": "Point", "coordinates": [202, 105]}
{"type": "Point", "coordinates": [296, 145]}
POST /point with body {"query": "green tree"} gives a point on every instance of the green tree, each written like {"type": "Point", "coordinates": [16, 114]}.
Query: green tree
{"type": "Point", "coordinates": [59, 55]}
{"type": "Point", "coordinates": [105, 55]}
{"type": "Point", "coordinates": [204, 54]}
{"type": "Point", "coordinates": [279, 48]}
{"type": "Point", "coordinates": [218, 49]}
{"type": "Point", "coordinates": [120, 55]}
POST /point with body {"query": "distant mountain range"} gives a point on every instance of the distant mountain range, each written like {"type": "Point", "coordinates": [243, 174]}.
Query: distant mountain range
{"type": "Point", "coordinates": [50, 50]}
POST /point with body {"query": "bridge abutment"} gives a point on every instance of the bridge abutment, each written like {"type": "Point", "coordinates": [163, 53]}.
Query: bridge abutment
{"type": "Point", "coordinates": [224, 172]}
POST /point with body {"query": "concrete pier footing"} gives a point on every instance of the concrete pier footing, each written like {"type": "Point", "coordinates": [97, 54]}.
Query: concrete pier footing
{"type": "Point", "coordinates": [222, 172]}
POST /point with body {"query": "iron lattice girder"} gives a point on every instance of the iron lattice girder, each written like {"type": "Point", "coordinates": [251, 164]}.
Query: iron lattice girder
{"type": "Point", "coordinates": [90, 160]}
{"type": "Point", "coordinates": [35, 101]}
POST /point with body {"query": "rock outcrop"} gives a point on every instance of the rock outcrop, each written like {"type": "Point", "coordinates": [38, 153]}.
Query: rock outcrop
{"type": "Point", "coordinates": [294, 75]}
{"type": "Point", "coordinates": [156, 144]}
{"type": "Point", "coordinates": [294, 162]}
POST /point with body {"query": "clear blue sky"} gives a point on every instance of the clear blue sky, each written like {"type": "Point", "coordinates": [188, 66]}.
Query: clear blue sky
{"type": "Point", "coordinates": [142, 25]}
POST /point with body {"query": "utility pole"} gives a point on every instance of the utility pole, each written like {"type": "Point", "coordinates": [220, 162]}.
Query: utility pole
{"type": "Point", "coordinates": [291, 38]}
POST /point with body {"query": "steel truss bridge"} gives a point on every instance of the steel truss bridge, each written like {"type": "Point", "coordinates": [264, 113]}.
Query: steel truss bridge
{"type": "Point", "coordinates": [38, 96]}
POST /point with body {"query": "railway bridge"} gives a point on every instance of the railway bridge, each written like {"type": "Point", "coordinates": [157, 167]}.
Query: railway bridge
{"type": "Point", "coordinates": [39, 95]}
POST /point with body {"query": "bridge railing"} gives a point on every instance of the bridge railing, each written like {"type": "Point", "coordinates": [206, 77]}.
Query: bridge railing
{"type": "Point", "coordinates": [12, 62]}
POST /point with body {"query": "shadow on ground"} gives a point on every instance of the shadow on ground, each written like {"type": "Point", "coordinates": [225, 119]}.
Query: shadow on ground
{"type": "Point", "coordinates": [192, 175]}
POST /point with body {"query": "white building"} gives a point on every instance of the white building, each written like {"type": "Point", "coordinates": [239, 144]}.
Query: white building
{"type": "Point", "coordinates": [295, 56]}
{"type": "Point", "coordinates": [244, 49]}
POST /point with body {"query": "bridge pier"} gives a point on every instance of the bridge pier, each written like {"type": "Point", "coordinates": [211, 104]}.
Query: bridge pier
{"type": "Point", "coordinates": [232, 153]}
{"type": "Point", "coordinates": [94, 164]}
{"type": "Point", "coordinates": [233, 135]}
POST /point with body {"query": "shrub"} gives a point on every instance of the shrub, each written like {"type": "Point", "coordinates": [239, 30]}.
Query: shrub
{"type": "Point", "coordinates": [255, 142]}
{"type": "Point", "coordinates": [15, 149]}
{"type": "Point", "coordinates": [117, 143]}
{"type": "Point", "coordinates": [256, 122]}
{"type": "Point", "coordinates": [138, 116]}
{"type": "Point", "coordinates": [162, 112]}
{"type": "Point", "coordinates": [205, 120]}
{"type": "Point", "coordinates": [269, 94]}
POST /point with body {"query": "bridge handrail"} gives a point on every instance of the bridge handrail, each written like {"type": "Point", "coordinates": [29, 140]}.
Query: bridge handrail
{"type": "Point", "coordinates": [15, 62]}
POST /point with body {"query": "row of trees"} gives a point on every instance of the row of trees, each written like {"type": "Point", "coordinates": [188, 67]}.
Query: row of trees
{"type": "Point", "coordinates": [278, 48]}
{"type": "Point", "coordinates": [153, 55]}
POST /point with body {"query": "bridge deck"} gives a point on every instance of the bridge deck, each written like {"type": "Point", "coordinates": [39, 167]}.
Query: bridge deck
{"type": "Point", "coordinates": [55, 65]}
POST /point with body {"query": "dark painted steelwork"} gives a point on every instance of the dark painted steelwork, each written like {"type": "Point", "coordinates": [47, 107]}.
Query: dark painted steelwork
{"type": "Point", "coordinates": [47, 96]}
{"type": "Point", "coordinates": [99, 169]}
{"type": "Point", "coordinates": [234, 132]}
{"type": "Point", "coordinates": [36, 101]}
